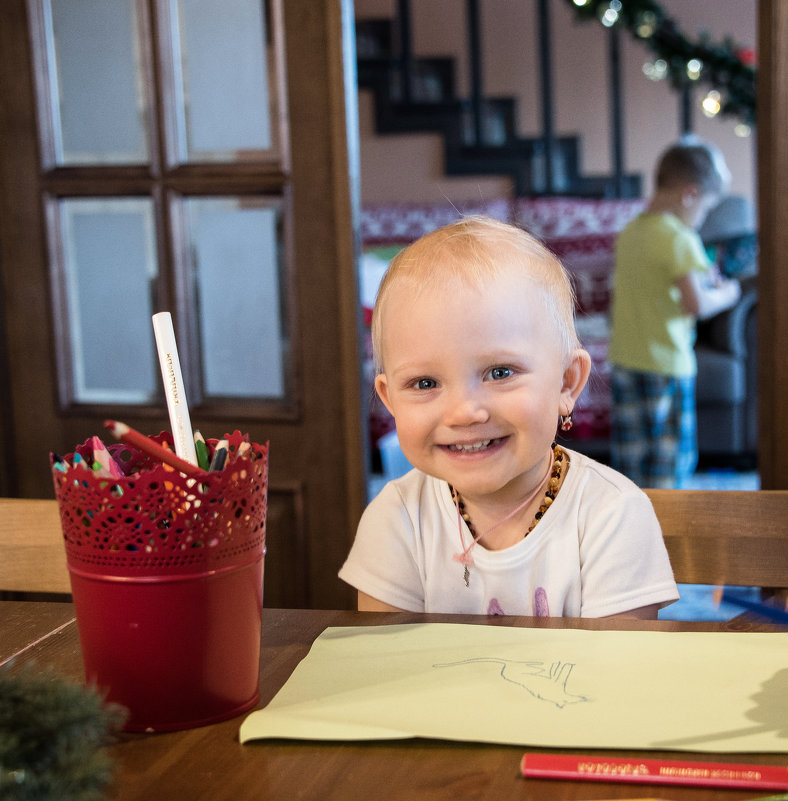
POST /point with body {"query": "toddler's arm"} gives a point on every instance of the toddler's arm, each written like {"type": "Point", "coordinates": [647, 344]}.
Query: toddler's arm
{"type": "Point", "coordinates": [366, 603]}
{"type": "Point", "coordinates": [641, 613]}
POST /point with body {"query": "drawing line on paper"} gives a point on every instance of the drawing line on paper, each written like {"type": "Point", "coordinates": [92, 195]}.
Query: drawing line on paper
{"type": "Point", "coordinates": [543, 683]}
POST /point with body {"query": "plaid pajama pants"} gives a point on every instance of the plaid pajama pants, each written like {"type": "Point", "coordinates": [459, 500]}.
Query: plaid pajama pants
{"type": "Point", "coordinates": [654, 429]}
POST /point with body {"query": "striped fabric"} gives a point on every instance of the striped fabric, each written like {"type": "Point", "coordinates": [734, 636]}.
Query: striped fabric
{"type": "Point", "coordinates": [653, 434]}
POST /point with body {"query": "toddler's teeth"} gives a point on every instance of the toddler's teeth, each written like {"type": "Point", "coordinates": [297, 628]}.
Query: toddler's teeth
{"type": "Point", "coordinates": [476, 446]}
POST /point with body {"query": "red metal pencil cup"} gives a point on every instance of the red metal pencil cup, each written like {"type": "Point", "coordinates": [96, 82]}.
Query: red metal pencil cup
{"type": "Point", "coordinates": [167, 578]}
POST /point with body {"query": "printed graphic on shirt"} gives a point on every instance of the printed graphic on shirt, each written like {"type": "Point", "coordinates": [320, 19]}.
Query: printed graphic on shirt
{"type": "Point", "coordinates": [494, 608]}
{"type": "Point", "coordinates": [541, 607]}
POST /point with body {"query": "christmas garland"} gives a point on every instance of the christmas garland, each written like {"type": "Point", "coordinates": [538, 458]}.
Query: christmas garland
{"type": "Point", "coordinates": [727, 67]}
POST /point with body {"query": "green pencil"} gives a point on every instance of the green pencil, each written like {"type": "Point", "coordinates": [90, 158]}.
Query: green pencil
{"type": "Point", "coordinates": [202, 451]}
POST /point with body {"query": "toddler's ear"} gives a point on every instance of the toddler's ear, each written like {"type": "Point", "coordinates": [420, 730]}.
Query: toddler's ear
{"type": "Point", "coordinates": [575, 378]}
{"type": "Point", "coordinates": [382, 388]}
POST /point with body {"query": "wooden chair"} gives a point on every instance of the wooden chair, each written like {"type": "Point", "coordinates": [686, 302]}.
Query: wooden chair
{"type": "Point", "coordinates": [32, 554]}
{"type": "Point", "coordinates": [725, 537]}
{"type": "Point", "coordinates": [712, 537]}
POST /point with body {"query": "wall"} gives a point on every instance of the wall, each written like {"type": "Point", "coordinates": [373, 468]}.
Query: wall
{"type": "Point", "coordinates": [410, 167]}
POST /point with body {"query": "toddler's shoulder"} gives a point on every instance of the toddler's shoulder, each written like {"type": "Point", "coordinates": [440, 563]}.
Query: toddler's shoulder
{"type": "Point", "coordinates": [605, 500]}
{"type": "Point", "coordinates": [409, 491]}
{"type": "Point", "coordinates": [595, 477]}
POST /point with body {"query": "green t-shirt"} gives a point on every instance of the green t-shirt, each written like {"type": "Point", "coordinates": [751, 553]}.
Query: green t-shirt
{"type": "Point", "coordinates": [650, 332]}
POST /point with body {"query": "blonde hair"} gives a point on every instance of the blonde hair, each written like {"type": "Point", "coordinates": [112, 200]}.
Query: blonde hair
{"type": "Point", "coordinates": [475, 249]}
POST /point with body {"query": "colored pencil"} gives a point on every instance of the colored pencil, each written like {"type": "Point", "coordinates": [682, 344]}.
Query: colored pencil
{"type": "Point", "coordinates": [772, 613]}
{"type": "Point", "coordinates": [780, 797]}
{"type": "Point", "coordinates": [132, 437]}
{"type": "Point", "coordinates": [219, 455]}
{"type": "Point", "coordinates": [242, 449]}
{"type": "Point", "coordinates": [174, 390]}
{"type": "Point", "coordinates": [654, 771]}
{"type": "Point", "coordinates": [107, 466]}
{"type": "Point", "coordinates": [202, 450]}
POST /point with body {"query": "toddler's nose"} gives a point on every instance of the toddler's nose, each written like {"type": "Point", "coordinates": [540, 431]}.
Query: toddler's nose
{"type": "Point", "coordinates": [464, 408]}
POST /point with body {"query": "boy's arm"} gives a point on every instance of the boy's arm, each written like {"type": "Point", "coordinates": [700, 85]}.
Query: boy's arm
{"type": "Point", "coordinates": [703, 299]}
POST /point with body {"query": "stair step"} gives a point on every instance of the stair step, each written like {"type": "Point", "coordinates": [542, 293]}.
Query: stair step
{"type": "Point", "coordinates": [431, 80]}
{"type": "Point", "coordinates": [374, 39]}
{"type": "Point", "coordinates": [431, 105]}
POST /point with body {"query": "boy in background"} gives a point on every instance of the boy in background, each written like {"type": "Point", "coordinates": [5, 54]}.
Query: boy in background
{"type": "Point", "coordinates": [664, 282]}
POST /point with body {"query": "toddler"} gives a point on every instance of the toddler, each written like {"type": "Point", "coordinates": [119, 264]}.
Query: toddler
{"type": "Point", "coordinates": [478, 362]}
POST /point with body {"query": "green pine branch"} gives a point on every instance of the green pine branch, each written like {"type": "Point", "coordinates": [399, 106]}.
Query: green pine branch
{"type": "Point", "coordinates": [52, 734]}
{"type": "Point", "coordinates": [727, 65]}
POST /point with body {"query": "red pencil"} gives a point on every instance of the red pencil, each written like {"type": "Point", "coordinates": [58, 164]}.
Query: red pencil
{"type": "Point", "coordinates": [654, 771]}
{"type": "Point", "coordinates": [132, 437]}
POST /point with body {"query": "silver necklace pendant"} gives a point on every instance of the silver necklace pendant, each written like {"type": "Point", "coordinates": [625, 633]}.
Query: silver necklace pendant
{"type": "Point", "coordinates": [467, 576]}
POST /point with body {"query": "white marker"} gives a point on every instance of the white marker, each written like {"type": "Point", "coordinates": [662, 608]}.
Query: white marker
{"type": "Point", "coordinates": [173, 387]}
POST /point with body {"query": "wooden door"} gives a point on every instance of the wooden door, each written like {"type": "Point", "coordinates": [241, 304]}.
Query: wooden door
{"type": "Point", "coordinates": [144, 198]}
{"type": "Point", "coordinates": [773, 240]}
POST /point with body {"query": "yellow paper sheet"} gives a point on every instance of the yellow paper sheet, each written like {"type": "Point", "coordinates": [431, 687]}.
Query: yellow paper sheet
{"type": "Point", "coordinates": [566, 688]}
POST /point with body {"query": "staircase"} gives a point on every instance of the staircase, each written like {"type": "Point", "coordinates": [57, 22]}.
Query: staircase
{"type": "Point", "coordinates": [418, 95]}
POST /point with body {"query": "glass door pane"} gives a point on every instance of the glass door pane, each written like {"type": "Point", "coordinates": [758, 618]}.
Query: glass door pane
{"type": "Point", "coordinates": [221, 67]}
{"type": "Point", "coordinates": [108, 282]}
{"type": "Point", "coordinates": [237, 261]}
{"type": "Point", "coordinates": [98, 100]}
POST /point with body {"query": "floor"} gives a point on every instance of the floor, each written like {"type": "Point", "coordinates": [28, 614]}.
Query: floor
{"type": "Point", "coordinates": [724, 479]}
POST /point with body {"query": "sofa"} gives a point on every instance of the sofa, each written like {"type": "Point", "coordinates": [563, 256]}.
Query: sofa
{"type": "Point", "coordinates": [727, 384]}
{"type": "Point", "coordinates": [582, 233]}
{"type": "Point", "coordinates": [727, 345]}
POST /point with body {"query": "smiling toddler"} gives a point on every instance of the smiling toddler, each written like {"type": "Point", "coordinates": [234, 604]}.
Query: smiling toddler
{"type": "Point", "coordinates": [479, 364]}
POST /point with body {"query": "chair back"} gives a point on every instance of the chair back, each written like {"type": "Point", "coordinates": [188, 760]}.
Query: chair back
{"type": "Point", "coordinates": [725, 537]}
{"type": "Point", "coordinates": [32, 553]}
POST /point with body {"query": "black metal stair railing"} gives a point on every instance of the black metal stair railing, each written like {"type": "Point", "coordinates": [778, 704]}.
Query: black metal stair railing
{"type": "Point", "coordinates": [414, 94]}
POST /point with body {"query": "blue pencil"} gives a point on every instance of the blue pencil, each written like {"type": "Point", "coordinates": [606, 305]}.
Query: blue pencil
{"type": "Point", "coordinates": [765, 610]}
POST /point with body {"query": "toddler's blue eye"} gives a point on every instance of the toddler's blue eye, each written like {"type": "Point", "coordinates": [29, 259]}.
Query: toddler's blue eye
{"type": "Point", "coordinates": [499, 373]}
{"type": "Point", "coordinates": [426, 383]}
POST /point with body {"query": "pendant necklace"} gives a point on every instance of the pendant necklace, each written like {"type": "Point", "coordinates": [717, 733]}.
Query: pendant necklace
{"type": "Point", "coordinates": [465, 557]}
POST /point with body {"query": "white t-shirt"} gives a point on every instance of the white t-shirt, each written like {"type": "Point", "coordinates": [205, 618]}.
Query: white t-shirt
{"type": "Point", "coordinates": [598, 550]}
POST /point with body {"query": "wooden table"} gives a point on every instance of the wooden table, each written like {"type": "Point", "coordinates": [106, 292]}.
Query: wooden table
{"type": "Point", "coordinates": [209, 763]}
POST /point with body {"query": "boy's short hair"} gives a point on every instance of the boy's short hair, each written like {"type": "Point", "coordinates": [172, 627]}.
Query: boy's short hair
{"type": "Point", "coordinates": [693, 163]}
{"type": "Point", "coordinates": [474, 249]}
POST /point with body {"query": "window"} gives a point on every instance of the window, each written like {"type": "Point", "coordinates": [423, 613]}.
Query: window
{"type": "Point", "coordinates": [166, 188]}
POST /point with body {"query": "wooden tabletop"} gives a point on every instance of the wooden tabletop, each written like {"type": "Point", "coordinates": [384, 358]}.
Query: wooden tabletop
{"type": "Point", "coordinates": [210, 764]}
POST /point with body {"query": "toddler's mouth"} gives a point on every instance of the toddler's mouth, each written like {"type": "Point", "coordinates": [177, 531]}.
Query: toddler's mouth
{"type": "Point", "coordinates": [473, 447]}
